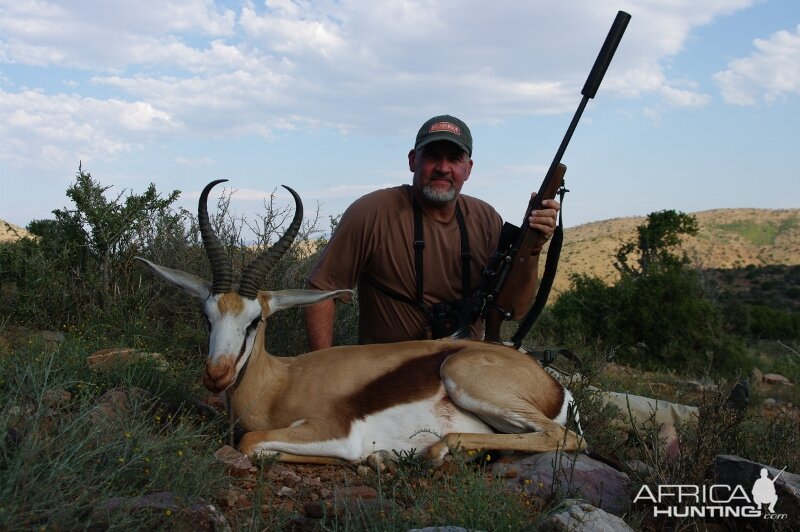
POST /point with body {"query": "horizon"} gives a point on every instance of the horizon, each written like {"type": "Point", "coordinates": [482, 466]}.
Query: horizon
{"type": "Point", "coordinates": [697, 111]}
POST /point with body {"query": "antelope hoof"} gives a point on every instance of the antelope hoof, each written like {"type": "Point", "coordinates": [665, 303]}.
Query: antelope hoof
{"type": "Point", "coordinates": [436, 453]}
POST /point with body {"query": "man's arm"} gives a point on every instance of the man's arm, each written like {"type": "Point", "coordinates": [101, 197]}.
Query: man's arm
{"type": "Point", "coordinates": [545, 220]}
{"type": "Point", "coordinates": [319, 324]}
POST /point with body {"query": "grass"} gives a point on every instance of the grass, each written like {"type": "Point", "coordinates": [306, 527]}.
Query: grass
{"type": "Point", "coordinates": [60, 459]}
{"type": "Point", "coordinates": [62, 456]}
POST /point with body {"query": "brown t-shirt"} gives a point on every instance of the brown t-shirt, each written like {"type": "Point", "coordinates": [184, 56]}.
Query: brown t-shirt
{"type": "Point", "coordinates": [375, 236]}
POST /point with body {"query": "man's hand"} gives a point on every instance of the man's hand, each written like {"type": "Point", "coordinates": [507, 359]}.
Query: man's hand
{"type": "Point", "coordinates": [545, 219]}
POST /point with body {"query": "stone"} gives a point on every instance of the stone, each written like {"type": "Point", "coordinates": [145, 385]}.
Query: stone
{"type": "Point", "coordinates": [105, 359]}
{"type": "Point", "coordinates": [56, 398]}
{"type": "Point", "coordinates": [238, 464]}
{"type": "Point", "coordinates": [774, 378]}
{"type": "Point", "coordinates": [582, 517]}
{"type": "Point", "coordinates": [381, 461]}
{"type": "Point", "coordinates": [113, 404]}
{"type": "Point", "coordinates": [364, 471]}
{"type": "Point", "coordinates": [448, 528]}
{"type": "Point", "coordinates": [286, 491]}
{"type": "Point", "coordinates": [288, 478]}
{"type": "Point", "coordinates": [734, 470]}
{"type": "Point", "coordinates": [579, 476]}
{"type": "Point", "coordinates": [355, 492]}
{"type": "Point", "coordinates": [199, 516]}
{"type": "Point", "coordinates": [51, 339]}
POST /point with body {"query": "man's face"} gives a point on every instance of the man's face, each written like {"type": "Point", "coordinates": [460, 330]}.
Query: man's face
{"type": "Point", "coordinates": [440, 170]}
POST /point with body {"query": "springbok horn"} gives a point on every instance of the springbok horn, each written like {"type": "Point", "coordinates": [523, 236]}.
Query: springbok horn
{"type": "Point", "coordinates": [221, 270]}
{"type": "Point", "coordinates": [261, 265]}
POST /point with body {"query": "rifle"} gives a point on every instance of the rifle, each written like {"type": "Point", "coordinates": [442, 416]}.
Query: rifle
{"type": "Point", "coordinates": [509, 268]}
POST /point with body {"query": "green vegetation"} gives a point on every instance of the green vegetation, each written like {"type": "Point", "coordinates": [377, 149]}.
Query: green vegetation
{"type": "Point", "coordinates": [758, 234]}
{"type": "Point", "coordinates": [66, 453]}
{"type": "Point", "coordinates": [659, 315]}
{"type": "Point", "coordinates": [63, 457]}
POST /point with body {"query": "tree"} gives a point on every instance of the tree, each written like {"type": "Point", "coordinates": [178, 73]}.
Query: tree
{"type": "Point", "coordinates": [655, 244]}
{"type": "Point", "coordinates": [110, 226]}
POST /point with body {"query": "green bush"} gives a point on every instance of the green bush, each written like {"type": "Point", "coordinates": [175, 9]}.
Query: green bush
{"type": "Point", "coordinates": [766, 322]}
{"type": "Point", "coordinates": [661, 321]}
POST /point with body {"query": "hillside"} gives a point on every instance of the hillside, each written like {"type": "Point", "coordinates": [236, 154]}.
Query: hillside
{"type": "Point", "coordinates": [10, 232]}
{"type": "Point", "coordinates": [727, 239]}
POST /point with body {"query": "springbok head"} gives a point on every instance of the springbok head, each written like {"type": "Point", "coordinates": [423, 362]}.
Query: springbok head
{"type": "Point", "coordinates": [235, 311]}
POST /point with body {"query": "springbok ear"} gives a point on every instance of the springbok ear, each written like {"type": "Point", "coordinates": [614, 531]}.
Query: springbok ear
{"type": "Point", "coordinates": [194, 285]}
{"type": "Point", "coordinates": [283, 299]}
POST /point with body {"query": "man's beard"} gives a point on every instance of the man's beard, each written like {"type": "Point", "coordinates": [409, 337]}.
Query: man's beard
{"type": "Point", "coordinates": [438, 196]}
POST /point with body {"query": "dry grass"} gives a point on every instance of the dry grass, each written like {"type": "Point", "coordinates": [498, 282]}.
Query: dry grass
{"type": "Point", "coordinates": [10, 232]}
{"type": "Point", "coordinates": [728, 238]}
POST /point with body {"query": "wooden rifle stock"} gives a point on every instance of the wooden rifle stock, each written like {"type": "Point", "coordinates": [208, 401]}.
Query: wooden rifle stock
{"type": "Point", "coordinates": [515, 270]}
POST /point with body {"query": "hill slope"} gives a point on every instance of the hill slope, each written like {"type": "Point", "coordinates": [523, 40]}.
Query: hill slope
{"type": "Point", "coordinates": [727, 238]}
{"type": "Point", "coordinates": [10, 232]}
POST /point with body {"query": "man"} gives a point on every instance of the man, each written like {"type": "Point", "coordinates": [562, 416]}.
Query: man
{"type": "Point", "coordinates": [378, 246]}
{"type": "Point", "coordinates": [411, 248]}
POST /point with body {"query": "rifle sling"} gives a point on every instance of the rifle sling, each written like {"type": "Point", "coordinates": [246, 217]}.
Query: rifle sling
{"type": "Point", "coordinates": [549, 275]}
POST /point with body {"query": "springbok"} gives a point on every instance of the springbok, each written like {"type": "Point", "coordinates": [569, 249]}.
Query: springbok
{"type": "Point", "coordinates": [347, 402]}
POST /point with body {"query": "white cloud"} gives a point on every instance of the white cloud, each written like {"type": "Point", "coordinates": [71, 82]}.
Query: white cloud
{"type": "Point", "coordinates": [152, 70]}
{"type": "Point", "coordinates": [61, 129]}
{"type": "Point", "coordinates": [772, 71]}
{"type": "Point", "coordinates": [194, 162]}
{"type": "Point", "coordinates": [97, 34]}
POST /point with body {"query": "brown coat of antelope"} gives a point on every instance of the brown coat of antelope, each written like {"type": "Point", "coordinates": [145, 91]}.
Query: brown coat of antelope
{"type": "Point", "coordinates": [350, 401]}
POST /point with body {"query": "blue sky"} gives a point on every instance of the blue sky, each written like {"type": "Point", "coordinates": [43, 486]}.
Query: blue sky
{"type": "Point", "coordinates": [699, 109]}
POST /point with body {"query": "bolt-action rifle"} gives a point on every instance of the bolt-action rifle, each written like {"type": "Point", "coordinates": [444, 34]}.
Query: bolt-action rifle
{"type": "Point", "coordinates": [509, 268]}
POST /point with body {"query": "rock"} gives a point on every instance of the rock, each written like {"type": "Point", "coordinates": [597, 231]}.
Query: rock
{"type": "Point", "coordinates": [442, 529]}
{"type": "Point", "coordinates": [238, 464]}
{"type": "Point", "coordinates": [354, 492]}
{"type": "Point", "coordinates": [199, 516]}
{"type": "Point", "coordinates": [5, 346]}
{"type": "Point", "coordinates": [639, 468]}
{"type": "Point", "coordinates": [286, 491]}
{"type": "Point", "coordinates": [105, 359]}
{"type": "Point", "coordinates": [350, 508]}
{"type": "Point", "coordinates": [582, 517]}
{"type": "Point", "coordinates": [56, 398]}
{"type": "Point", "coordinates": [113, 404]}
{"type": "Point", "coordinates": [364, 471]}
{"type": "Point", "coordinates": [51, 339]}
{"type": "Point", "coordinates": [313, 482]}
{"type": "Point", "coordinates": [774, 378]}
{"type": "Point", "coordinates": [229, 497]}
{"type": "Point", "coordinates": [577, 476]}
{"type": "Point", "coordinates": [381, 461]}
{"type": "Point", "coordinates": [288, 477]}
{"type": "Point", "coordinates": [733, 470]}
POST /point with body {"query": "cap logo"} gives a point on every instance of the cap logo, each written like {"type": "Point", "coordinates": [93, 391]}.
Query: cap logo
{"type": "Point", "coordinates": [445, 126]}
